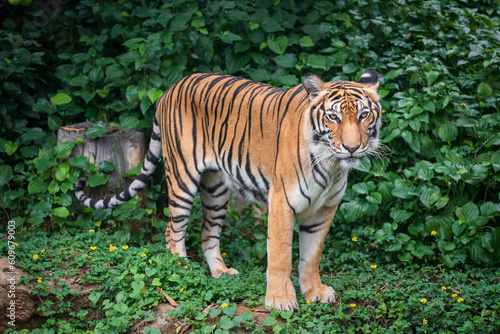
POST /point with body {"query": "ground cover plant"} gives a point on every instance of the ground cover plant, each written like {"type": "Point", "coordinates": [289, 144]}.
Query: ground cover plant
{"type": "Point", "coordinates": [427, 213]}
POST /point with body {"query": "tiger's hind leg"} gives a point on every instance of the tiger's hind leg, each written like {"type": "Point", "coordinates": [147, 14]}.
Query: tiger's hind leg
{"type": "Point", "coordinates": [181, 192]}
{"type": "Point", "coordinates": [214, 200]}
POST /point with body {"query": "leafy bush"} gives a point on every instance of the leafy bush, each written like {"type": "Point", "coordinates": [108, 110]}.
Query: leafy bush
{"type": "Point", "coordinates": [433, 197]}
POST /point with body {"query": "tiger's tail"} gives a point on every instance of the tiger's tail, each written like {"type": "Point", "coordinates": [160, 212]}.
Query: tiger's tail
{"type": "Point", "coordinates": [147, 170]}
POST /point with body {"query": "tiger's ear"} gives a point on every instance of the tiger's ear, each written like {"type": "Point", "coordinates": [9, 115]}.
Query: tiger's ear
{"type": "Point", "coordinates": [313, 85]}
{"type": "Point", "coordinates": [369, 79]}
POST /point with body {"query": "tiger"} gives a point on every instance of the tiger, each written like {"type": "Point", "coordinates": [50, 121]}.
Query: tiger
{"type": "Point", "coordinates": [290, 148]}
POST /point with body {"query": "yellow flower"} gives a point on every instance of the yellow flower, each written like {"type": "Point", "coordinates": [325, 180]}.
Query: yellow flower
{"type": "Point", "coordinates": [308, 302]}
{"type": "Point", "coordinates": [373, 266]}
{"type": "Point", "coordinates": [383, 111]}
{"type": "Point", "coordinates": [223, 254]}
{"type": "Point", "coordinates": [354, 239]}
{"type": "Point", "coordinates": [443, 288]}
{"type": "Point", "coordinates": [35, 256]}
{"type": "Point", "coordinates": [460, 300]}
{"type": "Point", "coordinates": [463, 104]}
{"type": "Point", "coordinates": [454, 295]}
{"type": "Point", "coordinates": [181, 289]}
{"type": "Point", "coordinates": [143, 255]}
{"type": "Point", "coordinates": [43, 251]}
{"type": "Point", "coordinates": [40, 279]}
{"type": "Point", "coordinates": [424, 321]}
{"type": "Point", "coordinates": [423, 300]}
{"type": "Point", "coordinates": [433, 233]}
{"type": "Point", "coordinates": [16, 244]}
{"type": "Point", "coordinates": [224, 305]}
{"type": "Point", "coordinates": [91, 231]}
{"type": "Point", "coordinates": [125, 247]}
{"type": "Point", "coordinates": [112, 248]}
{"type": "Point", "coordinates": [353, 305]}
{"type": "Point", "coordinates": [93, 247]}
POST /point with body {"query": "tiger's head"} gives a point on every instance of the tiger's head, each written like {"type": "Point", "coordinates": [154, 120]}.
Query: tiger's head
{"type": "Point", "coordinates": [345, 117]}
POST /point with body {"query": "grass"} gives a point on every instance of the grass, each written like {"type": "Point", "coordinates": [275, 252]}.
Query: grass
{"type": "Point", "coordinates": [374, 296]}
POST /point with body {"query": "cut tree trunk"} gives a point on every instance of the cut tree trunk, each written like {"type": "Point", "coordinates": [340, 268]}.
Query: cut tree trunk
{"type": "Point", "coordinates": [124, 148]}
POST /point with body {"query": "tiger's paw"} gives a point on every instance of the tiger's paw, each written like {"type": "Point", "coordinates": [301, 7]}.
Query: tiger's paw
{"type": "Point", "coordinates": [282, 303]}
{"type": "Point", "coordinates": [322, 293]}
{"type": "Point", "coordinates": [230, 271]}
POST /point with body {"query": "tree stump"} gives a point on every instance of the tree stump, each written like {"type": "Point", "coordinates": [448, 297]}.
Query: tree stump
{"type": "Point", "coordinates": [124, 148]}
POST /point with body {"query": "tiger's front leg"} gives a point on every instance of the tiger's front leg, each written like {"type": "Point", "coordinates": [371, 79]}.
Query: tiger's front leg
{"type": "Point", "coordinates": [280, 293]}
{"type": "Point", "coordinates": [313, 232]}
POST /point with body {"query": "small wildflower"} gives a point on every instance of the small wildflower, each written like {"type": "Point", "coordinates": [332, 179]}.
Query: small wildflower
{"type": "Point", "coordinates": [443, 288]}
{"type": "Point", "coordinates": [463, 104]}
{"type": "Point", "coordinates": [143, 255]}
{"type": "Point", "coordinates": [91, 231]}
{"type": "Point", "coordinates": [308, 302]}
{"type": "Point", "coordinates": [16, 244]}
{"type": "Point", "coordinates": [125, 247]}
{"type": "Point", "coordinates": [40, 279]}
{"type": "Point", "coordinates": [460, 300]}
{"type": "Point", "coordinates": [224, 254]}
{"type": "Point", "coordinates": [353, 305]}
{"type": "Point", "coordinates": [112, 248]}
{"type": "Point", "coordinates": [307, 314]}
{"type": "Point", "coordinates": [373, 266]}
{"type": "Point", "coordinates": [424, 321]}
{"type": "Point", "coordinates": [383, 111]}
{"type": "Point", "coordinates": [181, 289]}
{"type": "Point", "coordinates": [35, 256]}
{"type": "Point", "coordinates": [43, 251]}
{"type": "Point", "coordinates": [454, 295]}
{"type": "Point", "coordinates": [433, 233]}
{"type": "Point", "coordinates": [224, 305]}
{"type": "Point", "coordinates": [423, 300]}
{"type": "Point", "coordinates": [362, 215]}
{"type": "Point", "coordinates": [354, 239]}
{"type": "Point", "coordinates": [93, 247]}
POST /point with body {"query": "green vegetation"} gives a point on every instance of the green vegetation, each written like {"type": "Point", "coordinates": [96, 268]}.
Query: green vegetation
{"type": "Point", "coordinates": [427, 213]}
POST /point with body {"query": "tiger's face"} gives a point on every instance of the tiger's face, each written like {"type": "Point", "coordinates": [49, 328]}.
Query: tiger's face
{"type": "Point", "coordinates": [346, 118]}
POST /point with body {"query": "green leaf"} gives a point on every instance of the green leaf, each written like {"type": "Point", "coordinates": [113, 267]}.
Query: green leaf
{"type": "Point", "coordinates": [94, 296]}
{"type": "Point", "coordinates": [230, 38]}
{"type": "Point", "coordinates": [61, 212]}
{"type": "Point", "coordinates": [316, 61]}
{"type": "Point", "coordinates": [476, 251]}
{"type": "Point", "coordinates": [278, 45]}
{"type": "Point", "coordinates": [486, 240]}
{"type": "Point", "coordinates": [97, 179]}
{"type": "Point", "coordinates": [154, 94]}
{"type": "Point", "coordinates": [306, 42]}
{"type": "Point", "coordinates": [288, 80]}
{"type": "Point", "coordinates": [431, 77]}
{"type": "Point", "coordinates": [351, 210]}
{"type": "Point", "coordinates": [484, 90]}
{"type": "Point", "coordinates": [230, 310]}
{"type": "Point", "coordinates": [80, 80]}
{"type": "Point", "coordinates": [495, 161]}
{"type": "Point", "coordinates": [470, 212]}
{"type": "Point", "coordinates": [269, 321]}
{"type": "Point", "coordinates": [156, 282]}
{"type": "Point", "coordinates": [374, 198]}
{"type": "Point", "coordinates": [287, 60]}
{"type": "Point", "coordinates": [488, 209]}
{"type": "Point", "coordinates": [106, 166]}
{"type": "Point", "coordinates": [392, 74]}
{"type": "Point", "coordinates": [270, 24]}
{"type": "Point", "coordinates": [10, 148]}
{"type": "Point", "coordinates": [448, 132]}
{"type": "Point", "coordinates": [5, 174]}
{"type": "Point", "coordinates": [400, 215]}
{"type": "Point", "coordinates": [64, 149]}
{"type": "Point", "coordinates": [60, 99]}
{"type": "Point", "coordinates": [96, 130]}
{"type": "Point", "coordinates": [62, 171]}
{"type": "Point", "coordinates": [36, 186]}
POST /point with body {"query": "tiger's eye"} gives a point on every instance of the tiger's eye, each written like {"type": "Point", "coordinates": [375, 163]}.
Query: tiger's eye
{"type": "Point", "coordinates": [364, 115]}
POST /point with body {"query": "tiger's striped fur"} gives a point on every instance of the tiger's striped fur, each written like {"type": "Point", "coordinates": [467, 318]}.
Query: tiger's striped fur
{"type": "Point", "coordinates": [291, 148]}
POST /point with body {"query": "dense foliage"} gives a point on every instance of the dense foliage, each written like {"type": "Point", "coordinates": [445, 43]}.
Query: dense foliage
{"type": "Point", "coordinates": [432, 197]}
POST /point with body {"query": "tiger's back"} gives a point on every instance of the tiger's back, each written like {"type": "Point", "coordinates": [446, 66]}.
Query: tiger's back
{"type": "Point", "coordinates": [227, 124]}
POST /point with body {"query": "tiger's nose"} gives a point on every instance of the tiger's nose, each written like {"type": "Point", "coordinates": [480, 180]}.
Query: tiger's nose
{"type": "Point", "coordinates": [351, 149]}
